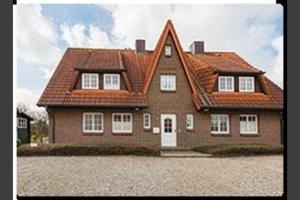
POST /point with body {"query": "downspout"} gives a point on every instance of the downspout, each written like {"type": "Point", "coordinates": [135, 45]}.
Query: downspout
{"type": "Point", "coordinates": [51, 115]}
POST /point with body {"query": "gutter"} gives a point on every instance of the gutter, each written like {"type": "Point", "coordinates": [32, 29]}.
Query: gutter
{"type": "Point", "coordinates": [206, 108]}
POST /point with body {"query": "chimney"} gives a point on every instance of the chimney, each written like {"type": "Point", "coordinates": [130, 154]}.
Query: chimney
{"type": "Point", "coordinates": [140, 46]}
{"type": "Point", "coordinates": [197, 47]}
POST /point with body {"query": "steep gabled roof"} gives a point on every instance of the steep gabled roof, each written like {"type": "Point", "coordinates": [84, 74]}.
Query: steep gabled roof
{"type": "Point", "coordinates": [168, 29]}
{"type": "Point", "coordinates": [137, 70]}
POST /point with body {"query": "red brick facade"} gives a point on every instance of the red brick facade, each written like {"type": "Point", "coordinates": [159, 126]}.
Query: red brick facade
{"type": "Point", "coordinates": [68, 122]}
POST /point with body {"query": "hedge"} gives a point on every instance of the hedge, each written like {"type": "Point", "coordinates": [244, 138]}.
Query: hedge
{"type": "Point", "coordinates": [241, 149]}
{"type": "Point", "coordinates": [84, 150]}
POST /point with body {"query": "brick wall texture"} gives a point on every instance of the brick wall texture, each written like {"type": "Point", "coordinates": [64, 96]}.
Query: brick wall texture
{"type": "Point", "coordinates": [68, 124]}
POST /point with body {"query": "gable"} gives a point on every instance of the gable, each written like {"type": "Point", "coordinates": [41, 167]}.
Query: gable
{"type": "Point", "coordinates": [159, 50]}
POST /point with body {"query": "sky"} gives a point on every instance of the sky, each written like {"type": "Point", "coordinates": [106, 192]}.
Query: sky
{"type": "Point", "coordinates": [45, 31]}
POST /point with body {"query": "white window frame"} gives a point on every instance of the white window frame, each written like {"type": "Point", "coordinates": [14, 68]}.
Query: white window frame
{"type": "Point", "coordinates": [122, 131]}
{"type": "Point", "coordinates": [111, 86]}
{"type": "Point", "coordinates": [246, 89]}
{"type": "Point", "coordinates": [90, 80]}
{"type": "Point", "coordinates": [190, 117]}
{"type": "Point", "coordinates": [93, 122]}
{"type": "Point", "coordinates": [168, 50]}
{"type": "Point", "coordinates": [163, 78]}
{"type": "Point", "coordinates": [226, 89]}
{"type": "Point", "coordinates": [22, 122]}
{"type": "Point", "coordinates": [219, 124]}
{"type": "Point", "coordinates": [144, 120]}
{"type": "Point", "coordinates": [247, 124]}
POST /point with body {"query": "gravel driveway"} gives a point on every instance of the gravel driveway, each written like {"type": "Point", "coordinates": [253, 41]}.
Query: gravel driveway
{"type": "Point", "coordinates": [133, 175]}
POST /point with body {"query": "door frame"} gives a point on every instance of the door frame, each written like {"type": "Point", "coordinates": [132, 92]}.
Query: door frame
{"type": "Point", "coordinates": [174, 129]}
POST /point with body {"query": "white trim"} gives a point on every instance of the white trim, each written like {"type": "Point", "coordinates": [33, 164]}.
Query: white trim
{"type": "Point", "coordinates": [228, 124]}
{"type": "Point", "coordinates": [165, 77]}
{"type": "Point", "coordinates": [256, 124]}
{"type": "Point", "coordinates": [111, 86]}
{"type": "Point", "coordinates": [22, 123]}
{"type": "Point", "coordinates": [192, 121]}
{"type": "Point", "coordinates": [93, 122]}
{"type": "Point", "coordinates": [232, 84]}
{"type": "Point", "coordinates": [246, 77]}
{"type": "Point", "coordinates": [168, 50]}
{"type": "Point", "coordinates": [90, 80]}
{"type": "Point", "coordinates": [149, 118]}
{"type": "Point", "coordinates": [121, 131]}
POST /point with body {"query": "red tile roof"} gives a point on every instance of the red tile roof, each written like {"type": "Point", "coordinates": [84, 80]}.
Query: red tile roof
{"type": "Point", "coordinates": [137, 70]}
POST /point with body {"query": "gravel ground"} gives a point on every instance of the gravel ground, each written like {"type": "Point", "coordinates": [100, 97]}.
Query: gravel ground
{"type": "Point", "coordinates": [133, 175]}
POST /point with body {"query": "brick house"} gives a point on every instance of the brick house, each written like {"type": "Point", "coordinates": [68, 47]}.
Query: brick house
{"type": "Point", "coordinates": [164, 97]}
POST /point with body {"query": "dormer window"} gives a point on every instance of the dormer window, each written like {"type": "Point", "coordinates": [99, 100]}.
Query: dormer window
{"type": "Point", "coordinates": [111, 81]}
{"type": "Point", "coordinates": [246, 84]}
{"type": "Point", "coordinates": [168, 50]}
{"type": "Point", "coordinates": [90, 81]}
{"type": "Point", "coordinates": [226, 83]}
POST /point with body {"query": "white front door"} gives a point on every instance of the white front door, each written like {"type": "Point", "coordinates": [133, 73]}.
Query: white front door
{"type": "Point", "coordinates": [168, 130]}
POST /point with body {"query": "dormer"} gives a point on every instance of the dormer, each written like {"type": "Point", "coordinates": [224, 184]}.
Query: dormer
{"type": "Point", "coordinates": [101, 70]}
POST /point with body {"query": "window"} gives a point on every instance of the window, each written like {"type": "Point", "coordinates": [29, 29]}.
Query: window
{"type": "Point", "coordinates": [246, 84]}
{"type": "Point", "coordinates": [22, 122]}
{"type": "Point", "coordinates": [168, 125]}
{"type": "Point", "coordinates": [112, 81]}
{"type": "Point", "coordinates": [147, 121]}
{"type": "Point", "coordinates": [226, 83]}
{"type": "Point", "coordinates": [248, 124]}
{"type": "Point", "coordinates": [190, 121]}
{"type": "Point", "coordinates": [90, 81]}
{"type": "Point", "coordinates": [93, 122]}
{"type": "Point", "coordinates": [168, 50]}
{"type": "Point", "coordinates": [219, 124]}
{"type": "Point", "coordinates": [122, 122]}
{"type": "Point", "coordinates": [168, 82]}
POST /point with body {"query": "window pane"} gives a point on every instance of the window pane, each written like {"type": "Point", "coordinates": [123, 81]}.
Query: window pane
{"type": "Point", "coordinates": [88, 123]}
{"type": "Point", "coordinates": [98, 122]}
{"type": "Point", "coordinates": [229, 84]}
{"type": "Point", "coordinates": [214, 123]}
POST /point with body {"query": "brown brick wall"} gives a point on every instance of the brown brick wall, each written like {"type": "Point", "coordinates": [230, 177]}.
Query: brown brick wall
{"type": "Point", "coordinates": [68, 122]}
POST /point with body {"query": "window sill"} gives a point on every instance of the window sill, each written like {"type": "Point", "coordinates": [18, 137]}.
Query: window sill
{"type": "Point", "coordinates": [220, 134]}
{"type": "Point", "coordinates": [249, 134]}
{"type": "Point", "coordinates": [168, 91]}
{"type": "Point", "coordinates": [123, 134]}
{"type": "Point", "coordinates": [93, 133]}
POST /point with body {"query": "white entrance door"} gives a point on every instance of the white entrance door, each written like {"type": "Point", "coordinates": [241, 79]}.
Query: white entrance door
{"type": "Point", "coordinates": [168, 130]}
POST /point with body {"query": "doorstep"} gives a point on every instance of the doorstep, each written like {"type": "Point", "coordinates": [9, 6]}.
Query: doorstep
{"type": "Point", "coordinates": [185, 153]}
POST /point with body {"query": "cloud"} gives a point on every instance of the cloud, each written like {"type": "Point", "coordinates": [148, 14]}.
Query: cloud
{"type": "Point", "coordinates": [277, 66]}
{"type": "Point", "coordinates": [79, 35]}
{"type": "Point", "coordinates": [37, 39]}
{"type": "Point", "coordinates": [248, 30]}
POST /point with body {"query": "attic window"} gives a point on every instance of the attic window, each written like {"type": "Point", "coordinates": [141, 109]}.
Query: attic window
{"type": "Point", "coordinates": [168, 51]}
{"type": "Point", "coordinates": [111, 81]}
{"type": "Point", "coordinates": [246, 84]}
{"type": "Point", "coordinates": [90, 81]}
{"type": "Point", "coordinates": [226, 83]}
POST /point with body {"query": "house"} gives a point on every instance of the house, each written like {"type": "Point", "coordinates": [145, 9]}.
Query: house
{"type": "Point", "coordinates": [23, 126]}
{"type": "Point", "coordinates": [164, 97]}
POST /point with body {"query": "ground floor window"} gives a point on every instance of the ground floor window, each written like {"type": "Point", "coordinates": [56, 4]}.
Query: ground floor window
{"type": "Point", "coordinates": [147, 121]}
{"type": "Point", "coordinates": [122, 122]}
{"type": "Point", "coordinates": [93, 122]}
{"type": "Point", "coordinates": [248, 124]}
{"type": "Point", "coordinates": [219, 124]}
{"type": "Point", "coordinates": [22, 122]}
{"type": "Point", "coordinates": [190, 121]}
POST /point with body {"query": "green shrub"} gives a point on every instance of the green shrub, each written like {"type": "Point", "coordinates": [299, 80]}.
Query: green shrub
{"type": "Point", "coordinates": [241, 149]}
{"type": "Point", "coordinates": [19, 142]}
{"type": "Point", "coordinates": [84, 150]}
